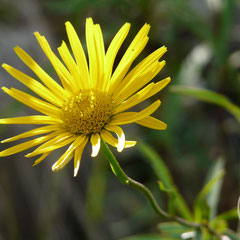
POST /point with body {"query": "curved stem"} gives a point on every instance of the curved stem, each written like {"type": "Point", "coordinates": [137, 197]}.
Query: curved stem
{"type": "Point", "coordinates": [122, 176]}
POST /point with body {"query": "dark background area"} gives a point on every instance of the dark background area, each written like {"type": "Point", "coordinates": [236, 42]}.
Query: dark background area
{"type": "Point", "coordinates": [203, 41]}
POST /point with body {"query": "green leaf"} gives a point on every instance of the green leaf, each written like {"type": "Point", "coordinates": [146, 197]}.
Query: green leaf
{"type": "Point", "coordinates": [220, 222]}
{"type": "Point", "coordinates": [228, 215]}
{"type": "Point", "coordinates": [173, 229]}
{"type": "Point", "coordinates": [210, 97]}
{"type": "Point", "coordinates": [201, 210]}
{"type": "Point", "coordinates": [200, 206]}
{"type": "Point", "coordinates": [208, 187]}
{"type": "Point", "coordinates": [214, 195]}
{"type": "Point", "coordinates": [164, 175]}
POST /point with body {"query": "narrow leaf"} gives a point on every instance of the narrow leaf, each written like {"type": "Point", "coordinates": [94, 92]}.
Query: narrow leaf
{"type": "Point", "coordinates": [210, 97]}
{"type": "Point", "coordinates": [173, 229]}
{"type": "Point", "coordinates": [227, 216]}
{"type": "Point", "coordinates": [201, 198]}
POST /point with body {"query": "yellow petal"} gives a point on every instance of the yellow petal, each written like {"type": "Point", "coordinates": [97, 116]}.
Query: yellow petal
{"type": "Point", "coordinates": [120, 135]}
{"type": "Point", "coordinates": [68, 155]}
{"type": "Point", "coordinates": [108, 137]}
{"type": "Point", "coordinates": [78, 156]}
{"type": "Point", "coordinates": [33, 102]}
{"type": "Point", "coordinates": [36, 131]}
{"type": "Point", "coordinates": [129, 144]}
{"type": "Point", "coordinates": [158, 87]}
{"type": "Point", "coordinates": [34, 85]}
{"type": "Point", "coordinates": [96, 53]}
{"type": "Point", "coordinates": [145, 93]}
{"type": "Point", "coordinates": [59, 141]}
{"type": "Point", "coordinates": [60, 69]}
{"type": "Point", "coordinates": [63, 160]}
{"type": "Point", "coordinates": [113, 49]}
{"type": "Point", "coordinates": [23, 146]}
{"type": "Point", "coordinates": [143, 66]}
{"type": "Point", "coordinates": [100, 54]}
{"type": "Point", "coordinates": [92, 56]}
{"type": "Point", "coordinates": [130, 117]}
{"type": "Point", "coordinates": [139, 81]}
{"type": "Point", "coordinates": [134, 100]}
{"type": "Point", "coordinates": [78, 54]}
{"type": "Point", "coordinates": [45, 78]}
{"type": "Point", "coordinates": [153, 123]}
{"type": "Point", "coordinates": [39, 160]}
{"type": "Point", "coordinates": [95, 141]}
{"type": "Point", "coordinates": [35, 119]}
{"type": "Point", "coordinates": [77, 161]}
{"type": "Point", "coordinates": [76, 80]}
{"type": "Point", "coordinates": [135, 48]}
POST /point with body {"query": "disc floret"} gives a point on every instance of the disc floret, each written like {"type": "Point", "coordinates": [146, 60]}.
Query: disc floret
{"type": "Point", "coordinates": [87, 112]}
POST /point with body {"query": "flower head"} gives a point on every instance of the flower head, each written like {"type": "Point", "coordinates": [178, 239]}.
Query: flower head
{"type": "Point", "coordinates": [92, 99]}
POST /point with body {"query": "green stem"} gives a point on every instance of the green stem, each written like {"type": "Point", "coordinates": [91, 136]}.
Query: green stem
{"type": "Point", "coordinates": [122, 176]}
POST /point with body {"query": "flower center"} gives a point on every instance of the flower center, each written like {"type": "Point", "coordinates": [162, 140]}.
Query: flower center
{"type": "Point", "coordinates": [87, 112]}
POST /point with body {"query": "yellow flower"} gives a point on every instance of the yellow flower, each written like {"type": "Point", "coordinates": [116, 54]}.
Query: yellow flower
{"type": "Point", "coordinates": [92, 100]}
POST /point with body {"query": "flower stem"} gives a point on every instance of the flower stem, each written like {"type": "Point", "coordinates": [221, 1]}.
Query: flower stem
{"type": "Point", "coordinates": [122, 176]}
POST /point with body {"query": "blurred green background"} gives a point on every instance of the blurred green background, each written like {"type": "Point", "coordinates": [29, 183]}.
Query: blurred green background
{"type": "Point", "coordinates": [203, 41]}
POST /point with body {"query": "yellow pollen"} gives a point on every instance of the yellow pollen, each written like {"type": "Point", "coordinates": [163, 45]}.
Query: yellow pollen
{"type": "Point", "coordinates": [87, 112]}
